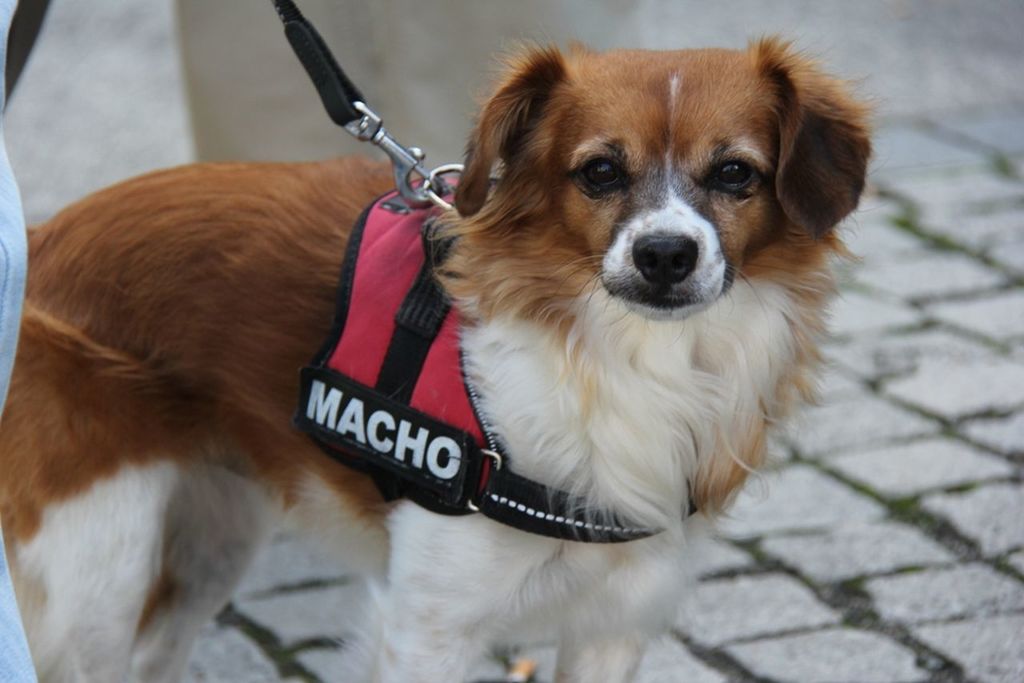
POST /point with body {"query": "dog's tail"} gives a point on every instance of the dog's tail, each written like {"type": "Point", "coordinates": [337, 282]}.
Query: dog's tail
{"type": "Point", "coordinates": [89, 374]}
{"type": "Point", "coordinates": [44, 337]}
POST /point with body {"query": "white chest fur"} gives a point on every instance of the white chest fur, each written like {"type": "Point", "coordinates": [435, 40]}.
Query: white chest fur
{"type": "Point", "coordinates": [626, 409]}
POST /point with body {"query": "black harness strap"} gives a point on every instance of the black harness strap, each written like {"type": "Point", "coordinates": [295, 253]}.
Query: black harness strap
{"type": "Point", "coordinates": [527, 505]}
{"type": "Point", "coordinates": [417, 324]}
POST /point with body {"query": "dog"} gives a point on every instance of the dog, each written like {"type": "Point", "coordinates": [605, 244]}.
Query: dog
{"type": "Point", "coordinates": [641, 245]}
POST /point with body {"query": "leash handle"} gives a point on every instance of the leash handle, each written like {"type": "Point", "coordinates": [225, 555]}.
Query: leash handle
{"type": "Point", "coordinates": [336, 90]}
{"type": "Point", "coordinates": [347, 107]}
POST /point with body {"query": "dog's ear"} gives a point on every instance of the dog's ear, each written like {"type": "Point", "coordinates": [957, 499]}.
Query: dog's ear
{"type": "Point", "coordinates": [506, 120]}
{"type": "Point", "coordinates": [824, 143]}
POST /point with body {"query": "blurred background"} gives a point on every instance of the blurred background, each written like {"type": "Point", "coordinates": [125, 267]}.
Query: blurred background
{"type": "Point", "coordinates": [886, 545]}
{"type": "Point", "coordinates": [115, 86]}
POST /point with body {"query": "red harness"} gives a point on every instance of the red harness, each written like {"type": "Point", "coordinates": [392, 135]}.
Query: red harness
{"type": "Point", "coordinates": [390, 257]}
{"type": "Point", "coordinates": [387, 393]}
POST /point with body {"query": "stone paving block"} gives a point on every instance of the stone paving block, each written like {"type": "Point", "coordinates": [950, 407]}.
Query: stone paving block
{"type": "Point", "coordinates": [955, 192]}
{"type": "Point", "coordinates": [992, 515]}
{"type": "Point", "coordinates": [909, 469]}
{"type": "Point", "coordinates": [875, 238]}
{"type": "Point", "coordinates": [854, 313]}
{"type": "Point", "coordinates": [984, 232]}
{"type": "Point", "coordinates": [711, 556]}
{"type": "Point", "coordinates": [962, 390]}
{"type": "Point", "coordinates": [969, 590]}
{"type": "Point", "coordinates": [838, 655]}
{"type": "Point", "coordinates": [899, 354]}
{"type": "Point", "coordinates": [900, 147]}
{"type": "Point", "coordinates": [836, 385]}
{"type": "Point", "coordinates": [824, 431]}
{"type": "Point", "coordinates": [668, 661]}
{"type": "Point", "coordinates": [857, 549]}
{"type": "Point", "coordinates": [299, 615]}
{"type": "Point", "coordinates": [930, 275]}
{"type": "Point", "coordinates": [326, 664]}
{"type": "Point", "coordinates": [997, 316]}
{"type": "Point", "coordinates": [793, 499]}
{"type": "Point", "coordinates": [223, 654]}
{"type": "Point", "coordinates": [288, 560]}
{"type": "Point", "coordinates": [1001, 130]}
{"type": "Point", "coordinates": [1005, 435]}
{"type": "Point", "coordinates": [725, 610]}
{"type": "Point", "coordinates": [1011, 255]}
{"type": "Point", "coordinates": [988, 649]}
{"type": "Point", "coordinates": [1016, 561]}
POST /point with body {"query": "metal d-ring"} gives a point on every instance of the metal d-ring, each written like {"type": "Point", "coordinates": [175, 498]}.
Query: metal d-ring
{"type": "Point", "coordinates": [493, 455]}
{"type": "Point", "coordinates": [436, 188]}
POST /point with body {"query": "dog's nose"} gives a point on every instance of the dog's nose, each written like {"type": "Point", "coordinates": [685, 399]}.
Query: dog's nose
{"type": "Point", "coordinates": [665, 259]}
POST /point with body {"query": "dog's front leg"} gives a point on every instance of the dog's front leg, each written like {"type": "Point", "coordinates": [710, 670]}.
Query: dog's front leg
{"type": "Point", "coordinates": [609, 661]}
{"type": "Point", "coordinates": [412, 635]}
{"type": "Point", "coordinates": [452, 584]}
{"type": "Point", "coordinates": [422, 642]}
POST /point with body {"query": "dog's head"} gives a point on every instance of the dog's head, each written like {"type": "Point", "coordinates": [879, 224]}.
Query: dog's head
{"type": "Point", "coordinates": [659, 176]}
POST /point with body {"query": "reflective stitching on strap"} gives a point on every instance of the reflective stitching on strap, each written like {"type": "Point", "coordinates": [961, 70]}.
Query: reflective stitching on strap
{"type": "Point", "coordinates": [540, 514]}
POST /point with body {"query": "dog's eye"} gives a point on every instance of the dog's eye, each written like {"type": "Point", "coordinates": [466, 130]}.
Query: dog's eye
{"type": "Point", "coordinates": [602, 174]}
{"type": "Point", "coordinates": [733, 176]}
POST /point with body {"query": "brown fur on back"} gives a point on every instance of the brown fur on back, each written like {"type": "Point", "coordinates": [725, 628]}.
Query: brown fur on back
{"type": "Point", "coordinates": [171, 303]}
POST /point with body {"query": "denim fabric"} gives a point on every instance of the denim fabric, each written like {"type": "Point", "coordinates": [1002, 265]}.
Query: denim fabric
{"type": "Point", "coordinates": [15, 664]}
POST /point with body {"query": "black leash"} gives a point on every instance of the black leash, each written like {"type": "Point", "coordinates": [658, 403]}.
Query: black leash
{"type": "Point", "coordinates": [337, 91]}
{"type": "Point", "coordinates": [347, 107]}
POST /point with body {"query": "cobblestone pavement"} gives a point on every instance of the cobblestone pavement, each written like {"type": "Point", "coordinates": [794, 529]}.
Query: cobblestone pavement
{"type": "Point", "coordinates": [887, 544]}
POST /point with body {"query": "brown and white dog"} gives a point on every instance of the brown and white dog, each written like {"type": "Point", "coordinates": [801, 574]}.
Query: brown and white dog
{"type": "Point", "coordinates": [642, 291]}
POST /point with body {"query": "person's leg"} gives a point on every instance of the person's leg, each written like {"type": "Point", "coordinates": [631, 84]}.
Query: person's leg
{"type": "Point", "coordinates": [15, 664]}
{"type": "Point", "coordinates": [12, 236]}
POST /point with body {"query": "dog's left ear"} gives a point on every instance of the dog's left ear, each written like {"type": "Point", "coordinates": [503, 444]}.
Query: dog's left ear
{"type": "Point", "coordinates": [506, 121]}
{"type": "Point", "coordinates": [824, 143]}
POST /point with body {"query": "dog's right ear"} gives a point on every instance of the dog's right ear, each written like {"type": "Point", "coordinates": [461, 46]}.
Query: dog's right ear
{"type": "Point", "coordinates": [506, 120]}
{"type": "Point", "coordinates": [824, 142]}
